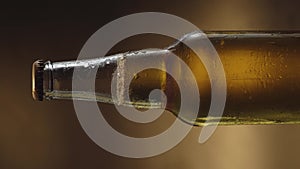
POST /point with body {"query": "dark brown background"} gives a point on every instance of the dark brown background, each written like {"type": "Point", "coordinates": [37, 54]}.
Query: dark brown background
{"type": "Point", "coordinates": [48, 134]}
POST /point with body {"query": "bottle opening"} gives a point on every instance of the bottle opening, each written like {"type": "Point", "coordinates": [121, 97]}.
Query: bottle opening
{"type": "Point", "coordinates": [37, 80]}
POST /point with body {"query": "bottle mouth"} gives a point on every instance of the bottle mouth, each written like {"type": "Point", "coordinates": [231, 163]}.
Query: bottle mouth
{"type": "Point", "coordinates": [37, 80]}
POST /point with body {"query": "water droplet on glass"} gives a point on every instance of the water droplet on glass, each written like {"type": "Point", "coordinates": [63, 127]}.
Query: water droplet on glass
{"type": "Point", "coordinates": [136, 76]}
{"type": "Point", "coordinates": [222, 42]}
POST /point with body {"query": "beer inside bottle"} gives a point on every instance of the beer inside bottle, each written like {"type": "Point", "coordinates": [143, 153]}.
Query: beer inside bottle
{"type": "Point", "coordinates": [261, 70]}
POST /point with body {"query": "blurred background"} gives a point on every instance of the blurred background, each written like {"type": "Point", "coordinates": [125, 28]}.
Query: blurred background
{"type": "Point", "coordinates": [48, 134]}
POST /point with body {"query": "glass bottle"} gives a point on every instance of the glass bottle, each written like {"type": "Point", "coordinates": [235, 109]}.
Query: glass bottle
{"type": "Point", "coordinates": [261, 69]}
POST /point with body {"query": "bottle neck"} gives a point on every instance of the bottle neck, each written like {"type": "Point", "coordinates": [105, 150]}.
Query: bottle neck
{"type": "Point", "coordinates": [53, 80]}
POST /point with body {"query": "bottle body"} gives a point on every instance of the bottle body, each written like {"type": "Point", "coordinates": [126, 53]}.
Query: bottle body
{"type": "Point", "coordinates": [262, 76]}
{"type": "Point", "coordinates": [261, 69]}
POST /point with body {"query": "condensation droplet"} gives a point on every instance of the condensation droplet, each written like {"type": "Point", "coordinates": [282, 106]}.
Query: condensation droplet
{"type": "Point", "coordinates": [264, 84]}
{"type": "Point", "coordinates": [136, 76]}
{"type": "Point", "coordinates": [222, 42]}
